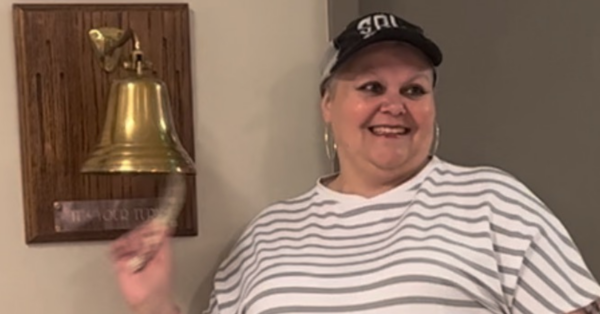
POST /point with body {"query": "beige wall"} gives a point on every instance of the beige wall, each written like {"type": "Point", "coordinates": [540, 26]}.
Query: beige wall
{"type": "Point", "coordinates": [258, 137]}
{"type": "Point", "coordinates": [519, 89]}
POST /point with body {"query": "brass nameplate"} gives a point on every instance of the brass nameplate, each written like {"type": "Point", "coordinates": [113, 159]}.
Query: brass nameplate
{"type": "Point", "coordinates": [102, 215]}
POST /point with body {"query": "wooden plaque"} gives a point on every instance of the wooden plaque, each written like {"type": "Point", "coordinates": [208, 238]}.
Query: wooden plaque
{"type": "Point", "coordinates": [62, 94]}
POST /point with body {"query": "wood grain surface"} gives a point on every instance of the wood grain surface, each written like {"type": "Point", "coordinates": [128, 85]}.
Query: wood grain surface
{"type": "Point", "coordinates": [62, 92]}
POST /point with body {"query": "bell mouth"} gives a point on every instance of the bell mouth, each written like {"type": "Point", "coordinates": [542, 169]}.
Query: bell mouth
{"type": "Point", "coordinates": [131, 158]}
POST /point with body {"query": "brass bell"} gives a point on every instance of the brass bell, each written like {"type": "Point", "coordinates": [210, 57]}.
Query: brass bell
{"type": "Point", "coordinates": [139, 134]}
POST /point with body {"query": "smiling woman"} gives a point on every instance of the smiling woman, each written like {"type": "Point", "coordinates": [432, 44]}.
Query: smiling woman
{"type": "Point", "coordinates": [381, 110]}
{"type": "Point", "coordinates": [397, 229]}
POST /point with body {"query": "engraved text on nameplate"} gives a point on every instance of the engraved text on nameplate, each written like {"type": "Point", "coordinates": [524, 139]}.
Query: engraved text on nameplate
{"type": "Point", "coordinates": [102, 215]}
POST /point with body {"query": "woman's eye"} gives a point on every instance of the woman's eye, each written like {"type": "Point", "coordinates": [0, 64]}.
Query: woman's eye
{"type": "Point", "coordinates": [414, 91]}
{"type": "Point", "coordinates": [372, 87]}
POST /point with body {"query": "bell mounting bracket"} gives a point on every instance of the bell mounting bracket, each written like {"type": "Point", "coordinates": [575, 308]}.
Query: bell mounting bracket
{"type": "Point", "coordinates": [108, 45]}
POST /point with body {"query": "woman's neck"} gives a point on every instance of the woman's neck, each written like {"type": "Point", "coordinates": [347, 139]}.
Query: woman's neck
{"type": "Point", "coordinates": [359, 183]}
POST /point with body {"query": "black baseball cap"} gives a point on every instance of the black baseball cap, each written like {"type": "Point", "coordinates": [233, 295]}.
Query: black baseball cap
{"type": "Point", "coordinates": [373, 28]}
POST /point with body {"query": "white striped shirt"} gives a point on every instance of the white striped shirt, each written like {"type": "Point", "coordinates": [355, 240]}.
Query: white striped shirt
{"type": "Point", "coordinates": [453, 239]}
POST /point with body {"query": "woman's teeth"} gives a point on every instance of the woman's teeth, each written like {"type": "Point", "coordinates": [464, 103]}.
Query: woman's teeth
{"type": "Point", "coordinates": [387, 130]}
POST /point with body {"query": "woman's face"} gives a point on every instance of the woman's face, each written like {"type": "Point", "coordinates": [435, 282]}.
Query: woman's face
{"type": "Point", "coordinates": [381, 109]}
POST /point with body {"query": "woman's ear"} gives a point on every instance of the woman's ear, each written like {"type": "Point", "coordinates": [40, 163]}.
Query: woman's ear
{"type": "Point", "coordinates": [326, 102]}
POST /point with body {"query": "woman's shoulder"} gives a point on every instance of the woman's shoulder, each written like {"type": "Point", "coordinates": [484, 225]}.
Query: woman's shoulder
{"type": "Point", "coordinates": [509, 199]}
{"type": "Point", "coordinates": [482, 180]}
{"type": "Point", "coordinates": [290, 206]}
{"type": "Point", "coordinates": [462, 172]}
{"type": "Point", "coordinates": [282, 214]}
{"type": "Point", "coordinates": [267, 227]}
{"type": "Point", "coordinates": [515, 209]}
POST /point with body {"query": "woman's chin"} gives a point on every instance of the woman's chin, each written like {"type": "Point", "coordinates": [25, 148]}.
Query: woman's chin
{"type": "Point", "coordinates": [390, 161]}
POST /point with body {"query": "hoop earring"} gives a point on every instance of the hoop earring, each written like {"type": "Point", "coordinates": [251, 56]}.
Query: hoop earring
{"type": "Point", "coordinates": [436, 140]}
{"type": "Point", "coordinates": [330, 146]}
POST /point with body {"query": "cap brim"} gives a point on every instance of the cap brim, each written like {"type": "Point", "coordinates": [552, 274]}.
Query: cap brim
{"type": "Point", "coordinates": [420, 42]}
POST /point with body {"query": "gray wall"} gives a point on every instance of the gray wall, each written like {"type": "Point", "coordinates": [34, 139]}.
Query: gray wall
{"type": "Point", "coordinates": [520, 90]}
{"type": "Point", "coordinates": [341, 12]}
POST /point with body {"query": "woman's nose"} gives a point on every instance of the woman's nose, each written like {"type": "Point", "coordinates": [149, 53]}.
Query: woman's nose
{"type": "Point", "coordinates": [394, 106]}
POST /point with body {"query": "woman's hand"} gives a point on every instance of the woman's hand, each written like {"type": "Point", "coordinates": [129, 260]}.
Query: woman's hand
{"type": "Point", "coordinates": [147, 290]}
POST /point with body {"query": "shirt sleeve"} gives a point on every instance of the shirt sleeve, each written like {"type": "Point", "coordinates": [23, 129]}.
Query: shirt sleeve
{"type": "Point", "coordinates": [553, 276]}
{"type": "Point", "coordinates": [213, 307]}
